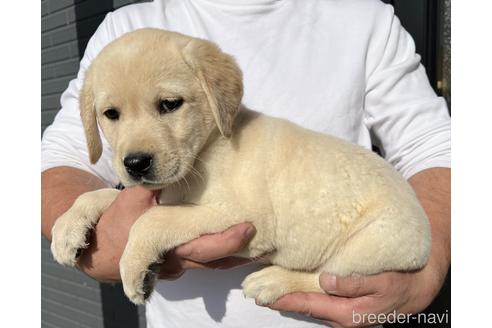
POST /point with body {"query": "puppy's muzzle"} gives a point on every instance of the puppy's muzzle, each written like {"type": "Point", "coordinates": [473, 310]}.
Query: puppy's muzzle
{"type": "Point", "coordinates": [138, 165]}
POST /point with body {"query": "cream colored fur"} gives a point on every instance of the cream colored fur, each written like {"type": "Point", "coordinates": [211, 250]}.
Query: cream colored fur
{"type": "Point", "coordinates": [318, 203]}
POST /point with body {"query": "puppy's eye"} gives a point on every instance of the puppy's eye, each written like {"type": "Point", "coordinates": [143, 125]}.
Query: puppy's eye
{"type": "Point", "coordinates": [112, 114]}
{"type": "Point", "coordinates": [170, 105]}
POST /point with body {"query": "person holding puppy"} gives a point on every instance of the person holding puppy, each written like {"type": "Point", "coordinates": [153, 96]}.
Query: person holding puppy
{"type": "Point", "coordinates": [363, 84]}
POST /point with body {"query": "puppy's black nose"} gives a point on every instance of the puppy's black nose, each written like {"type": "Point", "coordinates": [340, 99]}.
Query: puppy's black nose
{"type": "Point", "coordinates": [137, 165]}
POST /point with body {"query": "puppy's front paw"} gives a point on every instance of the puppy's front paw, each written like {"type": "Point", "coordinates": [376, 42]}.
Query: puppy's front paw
{"type": "Point", "coordinates": [69, 236]}
{"type": "Point", "coordinates": [138, 284]}
{"type": "Point", "coordinates": [138, 277]}
{"type": "Point", "coordinates": [71, 230]}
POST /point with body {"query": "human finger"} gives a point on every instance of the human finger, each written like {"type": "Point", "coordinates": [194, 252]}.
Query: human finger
{"type": "Point", "coordinates": [332, 309]}
{"type": "Point", "coordinates": [212, 247]}
{"type": "Point", "coordinates": [355, 286]}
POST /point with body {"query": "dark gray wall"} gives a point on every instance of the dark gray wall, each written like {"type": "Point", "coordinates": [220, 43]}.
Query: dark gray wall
{"type": "Point", "coordinates": [68, 297]}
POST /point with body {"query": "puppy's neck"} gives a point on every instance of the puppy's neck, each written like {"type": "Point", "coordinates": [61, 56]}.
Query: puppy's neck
{"type": "Point", "coordinates": [172, 194]}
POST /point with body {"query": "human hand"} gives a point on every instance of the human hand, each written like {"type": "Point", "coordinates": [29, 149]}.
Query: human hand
{"type": "Point", "coordinates": [349, 301]}
{"type": "Point", "coordinates": [109, 237]}
{"type": "Point", "coordinates": [212, 251]}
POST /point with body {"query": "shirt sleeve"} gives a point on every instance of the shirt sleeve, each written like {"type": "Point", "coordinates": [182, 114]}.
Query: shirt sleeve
{"type": "Point", "coordinates": [63, 143]}
{"type": "Point", "coordinates": [408, 121]}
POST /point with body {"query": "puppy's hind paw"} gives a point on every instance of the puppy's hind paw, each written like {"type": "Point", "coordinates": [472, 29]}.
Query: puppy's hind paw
{"type": "Point", "coordinates": [265, 286]}
{"type": "Point", "coordinates": [269, 284]}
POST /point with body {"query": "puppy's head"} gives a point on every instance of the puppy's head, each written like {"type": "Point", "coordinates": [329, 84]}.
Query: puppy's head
{"type": "Point", "coordinates": [157, 97]}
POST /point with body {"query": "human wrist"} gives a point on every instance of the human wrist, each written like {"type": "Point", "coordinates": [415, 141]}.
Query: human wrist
{"type": "Point", "coordinates": [433, 189]}
{"type": "Point", "coordinates": [110, 235]}
{"type": "Point", "coordinates": [100, 260]}
{"type": "Point", "coordinates": [427, 283]}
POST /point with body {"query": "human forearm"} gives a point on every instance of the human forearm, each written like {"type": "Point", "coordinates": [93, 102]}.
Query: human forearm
{"type": "Point", "coordinates": [60, 186]}
{"type": "Point", "coordinates": [433, 189]}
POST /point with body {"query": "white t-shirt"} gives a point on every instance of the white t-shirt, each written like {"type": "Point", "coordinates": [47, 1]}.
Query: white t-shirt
{"type": "Point", "coordinates": [343, 67]}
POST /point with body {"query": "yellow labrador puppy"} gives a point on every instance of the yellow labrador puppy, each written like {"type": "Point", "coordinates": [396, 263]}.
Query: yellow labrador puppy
{"type": "Point", "coordinates": [168, 104]}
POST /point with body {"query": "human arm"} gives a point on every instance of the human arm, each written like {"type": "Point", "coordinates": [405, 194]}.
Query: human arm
{"type": "Point", "coordinates": [390, 291]}
{"type": "Point", "coordinates": [60, 186]}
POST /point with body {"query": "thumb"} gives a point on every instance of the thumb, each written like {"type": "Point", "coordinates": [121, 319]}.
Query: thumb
{"type": "Point", "coordinates": [351, 286]}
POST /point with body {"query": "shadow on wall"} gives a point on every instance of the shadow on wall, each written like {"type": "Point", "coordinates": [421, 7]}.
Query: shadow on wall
{"type": "Point", "coordinates": [117, 309]}
{"type": "Point", "coordinates": [89, 15]}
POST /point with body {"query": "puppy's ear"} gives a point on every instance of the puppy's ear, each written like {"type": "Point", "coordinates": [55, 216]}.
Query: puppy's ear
{"type": "Point", "coordinates": [220, 79]}
{"type": "Point", "coordinates": [88, 115]}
